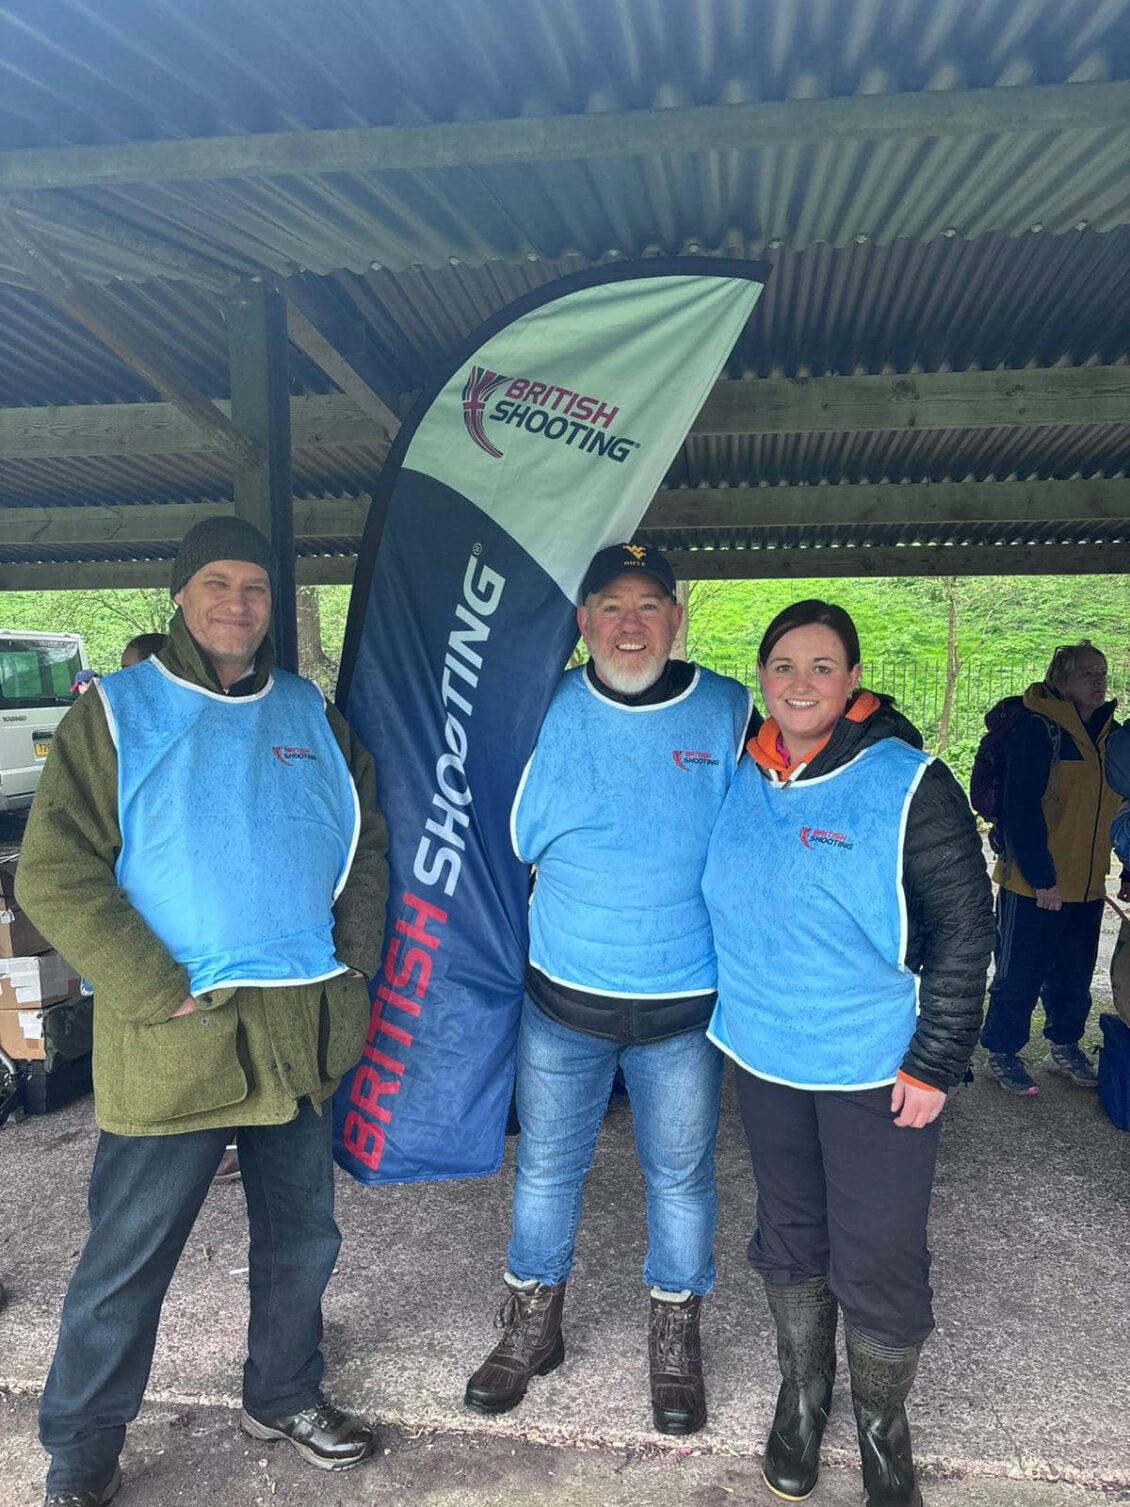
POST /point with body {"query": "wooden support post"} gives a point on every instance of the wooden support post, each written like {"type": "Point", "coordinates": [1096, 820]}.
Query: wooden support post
{"type": "Point", "coordinates": [260, 410]}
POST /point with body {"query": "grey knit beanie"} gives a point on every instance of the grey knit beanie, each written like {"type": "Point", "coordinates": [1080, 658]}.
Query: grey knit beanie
{"type": "Point", "coordinates": [222, 539]}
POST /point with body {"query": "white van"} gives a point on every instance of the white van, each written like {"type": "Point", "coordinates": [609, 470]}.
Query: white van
{"type": "Point", "coordinates": [37, 671]}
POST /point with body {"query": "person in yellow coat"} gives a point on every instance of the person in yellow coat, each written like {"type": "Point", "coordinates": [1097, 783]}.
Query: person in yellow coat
{"type": "Point", "coordinates": [1056, 818]}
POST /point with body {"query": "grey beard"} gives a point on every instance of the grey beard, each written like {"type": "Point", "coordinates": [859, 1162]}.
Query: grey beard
{"type": "Point", "coordinates": [630, 682]}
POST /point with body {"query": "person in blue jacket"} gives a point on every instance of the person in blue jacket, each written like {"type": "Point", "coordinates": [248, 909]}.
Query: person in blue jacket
{"type": "Point", "coordinates": [615, 810]}
{"type": "Point", "coordinates": [853, 926]}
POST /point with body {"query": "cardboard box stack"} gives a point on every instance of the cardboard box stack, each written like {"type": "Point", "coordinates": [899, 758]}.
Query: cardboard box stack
{"type": "Point", "coordinates": [33, 977]}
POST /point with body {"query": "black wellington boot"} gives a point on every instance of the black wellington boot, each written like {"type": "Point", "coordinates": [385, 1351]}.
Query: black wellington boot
{"type": "Point", "coordinates": [881, 1379]}
{"type": "Point", "coordinates": [531, 1345]}
{"type": "Point", "coordinates": [805, 1315]}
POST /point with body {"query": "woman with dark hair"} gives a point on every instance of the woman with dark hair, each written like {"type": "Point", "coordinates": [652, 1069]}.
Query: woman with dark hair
{"type": "Point", "coordinates": [853, 926]}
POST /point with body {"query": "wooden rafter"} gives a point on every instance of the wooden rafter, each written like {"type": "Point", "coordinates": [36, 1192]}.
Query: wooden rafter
{"type": "Point", "coordinates": [309, 339]}
{"type": "Point", "coordinates": [730, 564]}
{"type": "Point", "coordinates": [774, 405]}
{"type": "Point", "coordinates": [96, 311]}
{"type": "Point", "coordinates": [901, 560]}
{"type": "Point", "coordinates": [1093, 499]}
{"type": "Point", "coordinates": [747, 127]}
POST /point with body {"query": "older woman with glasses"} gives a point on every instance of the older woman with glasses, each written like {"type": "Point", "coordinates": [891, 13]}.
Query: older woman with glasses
{"type": "Point", "coordinates": [852, 922]}
{"type": "Point", "coordinates": [1056, 818]}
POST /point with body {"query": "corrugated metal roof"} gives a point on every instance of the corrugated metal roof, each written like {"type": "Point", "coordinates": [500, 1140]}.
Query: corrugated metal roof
{"type": "Point", "coordinates": [105, 71]}
{"type": "Point", "coordinates": [904, 254]}
{"type": "Point", "coordinates": [84, 72]}
{"type": "Point", "coordinates": [1057, 453]}
{"type": "Point", "coordinates": [1053, 453]}
{"type": "Point", "coordinates": [33, 554]}
{"type": "Point", "coordinates": [856, 536]}
{"type": "Point", "coordinates": [942, 306]}
{"type": "Point", "coordinates": [111, 481]}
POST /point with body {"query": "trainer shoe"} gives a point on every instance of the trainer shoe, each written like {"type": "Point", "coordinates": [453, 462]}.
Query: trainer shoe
{"type": "Point", "coordinates": [322, 1434]}
{"type": "Point", "coordinates": [1011, 1074]}
{"type": "Point", "coordinates": [1073, 1063]}
{"type": "Point", "coordinates": [84, 1497]}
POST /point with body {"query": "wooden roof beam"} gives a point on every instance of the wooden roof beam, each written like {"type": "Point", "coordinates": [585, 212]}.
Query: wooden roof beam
{"type": "Point", "coordinates": [860, 562]}
{"type": "Point", "coordinates": [771, 405]}
{"type": "Point", "coordinates": [142, 525]}
{"type": "Point", "coordinates": [928, 400]}
{"type": "Point", "coordinates": [117, 575]}
{"type": "Point", "coordinates": [309, 339]}
{"type": "Point", "coordinates": [946, 502]}
{"type": "Point", "coordinates": [1101, 106]}
{"type": "Point", "coordinates": [891, 503]}
{"type": "Point", "coordinates": [96, 311]}
{"type": "Point", "coordinates": [867, 561]}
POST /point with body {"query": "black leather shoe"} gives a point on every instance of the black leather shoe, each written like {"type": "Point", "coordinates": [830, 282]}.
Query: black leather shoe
{"type": "Point", "coordinates": [531, 1345]}
{"type": "Point", "coordinates": [86, 1498]}
{"type": "Point", "coordinates": [678, 1393]}
{"type": "Point", "coordinates": [322, 1434]}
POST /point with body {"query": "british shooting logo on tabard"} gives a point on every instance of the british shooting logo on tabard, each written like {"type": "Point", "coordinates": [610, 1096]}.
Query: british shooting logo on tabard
{"type": "Point", "coordinates": [544, 441]}
{"type": "Point", "coordinates": [690, 758]}
{"type": "Point", "coordinates": [813, 837]}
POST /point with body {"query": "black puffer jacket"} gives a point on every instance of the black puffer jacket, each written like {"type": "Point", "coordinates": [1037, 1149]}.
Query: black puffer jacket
{"type": "Point", "coordinates": [948, 901]}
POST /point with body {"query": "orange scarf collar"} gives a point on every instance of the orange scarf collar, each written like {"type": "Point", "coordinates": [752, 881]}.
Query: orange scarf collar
{"type": "Point", "coordinates": [768, 748]}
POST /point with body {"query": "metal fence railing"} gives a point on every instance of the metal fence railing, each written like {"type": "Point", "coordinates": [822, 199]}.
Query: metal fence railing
{"type": "Point", "coordinates": [919, 688]}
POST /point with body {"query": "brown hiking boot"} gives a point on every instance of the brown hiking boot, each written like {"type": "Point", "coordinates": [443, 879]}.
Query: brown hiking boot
{"type": "Point", "coordinates": [531, 1345]}
{"type": "Point", "coordinates": [678, 1393]}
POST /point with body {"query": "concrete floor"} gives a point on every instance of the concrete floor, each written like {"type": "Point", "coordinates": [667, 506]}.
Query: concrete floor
{"type": "Point", "coordinates": [1024, 1381]}
{"type": "Point", "coordinates": [1021, 1399]}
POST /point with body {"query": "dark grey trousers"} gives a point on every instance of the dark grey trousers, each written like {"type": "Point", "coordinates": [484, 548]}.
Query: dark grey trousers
{"type": "Point", "coordinates": [843, 1193]}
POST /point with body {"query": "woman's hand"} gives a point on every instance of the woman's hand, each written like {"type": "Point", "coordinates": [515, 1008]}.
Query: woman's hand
{"type": "Point", "coordinates": [913, 1107]}
{"type": "Point", "coordinates": [185, 1008]}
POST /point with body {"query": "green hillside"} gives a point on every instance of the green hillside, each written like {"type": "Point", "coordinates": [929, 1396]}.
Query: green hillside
{"type": "Point", "coordinates": [1006, 628]}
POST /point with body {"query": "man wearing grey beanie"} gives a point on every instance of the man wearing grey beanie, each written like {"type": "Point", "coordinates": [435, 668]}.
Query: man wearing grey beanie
{"type": "Point", "coordinates": [206, 849]}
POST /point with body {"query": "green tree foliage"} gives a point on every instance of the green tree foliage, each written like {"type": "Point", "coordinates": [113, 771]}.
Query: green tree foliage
{"type": "Point", "coordinates": [1002, 622]}
{"type": "Point", "coordinates": [1000, 618]}
{"type": "Point", "coordinates": [107, 620]}
{"type": "Point", "coordinates": [1007, 628]}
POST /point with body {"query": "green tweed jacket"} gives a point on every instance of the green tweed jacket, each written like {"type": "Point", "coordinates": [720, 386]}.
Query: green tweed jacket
{"type": "Point", "coordinates": [244, 1056]}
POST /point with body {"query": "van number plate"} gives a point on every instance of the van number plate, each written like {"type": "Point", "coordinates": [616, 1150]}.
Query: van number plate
{"type": "Point", "coordinates": [42, 747]}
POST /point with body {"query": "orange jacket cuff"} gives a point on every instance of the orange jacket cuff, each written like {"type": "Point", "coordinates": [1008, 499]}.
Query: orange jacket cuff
{"type": "Point", "coordinates": [917, 1082]}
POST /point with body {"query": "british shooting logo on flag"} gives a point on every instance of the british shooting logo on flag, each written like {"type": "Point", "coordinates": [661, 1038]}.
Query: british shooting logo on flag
{"type": "Point", "coordinates": [545, 440]}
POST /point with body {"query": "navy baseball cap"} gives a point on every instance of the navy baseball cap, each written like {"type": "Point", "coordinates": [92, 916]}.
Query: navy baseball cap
{"type": "Point", "coordinates": [624, 559]}
{"type": "Point", "coordinates": [84, 677]}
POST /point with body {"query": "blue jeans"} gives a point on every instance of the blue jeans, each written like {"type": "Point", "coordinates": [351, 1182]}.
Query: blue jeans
{"type": "Point", "coordinates": [564, 1080]}
{"type": "Point", "coordinates": [145, 1194]}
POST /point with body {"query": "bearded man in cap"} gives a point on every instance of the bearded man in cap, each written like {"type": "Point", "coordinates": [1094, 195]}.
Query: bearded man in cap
{"type": "Point", "coordinates": [206, 849]}
{"type": "Point", "coordinates": [614, 811]}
